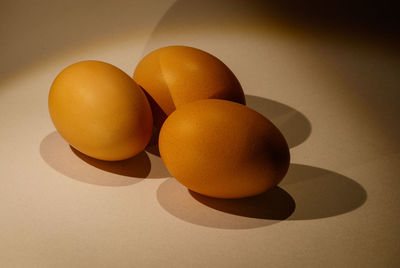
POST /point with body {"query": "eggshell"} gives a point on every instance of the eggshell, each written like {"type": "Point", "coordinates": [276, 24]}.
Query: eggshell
{"type": "Point", "coordinates": [175, 75]}
{"type": "Point", "coordinates": [223, 149]}
{"type": "Point", "coordinates": [100, 111]}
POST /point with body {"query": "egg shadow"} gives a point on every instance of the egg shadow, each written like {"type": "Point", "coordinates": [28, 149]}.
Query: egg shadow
{"type": "Point", "coordinates": [152, 146]}
{"type": "Point", "coordinates": [59, 155]}
{"type": "Point", "coordinates": [320, 193]}
{"type": "Point", "coordinates": [295, 127]}
{"type": "Point", "coordinates": [262, 210]}
{"type": "Point", "coordinates": [306, 193]}
{"type": "Point", "coordinates": [142, 165]}
{"type": "Point", "coordinates": [137, 166]}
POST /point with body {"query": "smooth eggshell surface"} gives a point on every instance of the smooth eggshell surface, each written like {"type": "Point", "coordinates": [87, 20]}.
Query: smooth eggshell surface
{"type": "Point", "coordinates": [223, 149]}
{"type": "Point", "coordinates": [175, 75]}
{"type": "Point", "coordinates": [100, 110]}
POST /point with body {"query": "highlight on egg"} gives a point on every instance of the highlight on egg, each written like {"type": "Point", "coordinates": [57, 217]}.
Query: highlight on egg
{"type": "Point", "coordinates": [223, 149]}
{"type": "Point", "coordinates": [100, 110]}
{"type": "Point", "coordinates": [175, 75]}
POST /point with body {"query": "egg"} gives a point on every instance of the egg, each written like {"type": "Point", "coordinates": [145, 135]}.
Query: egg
{"type": "Point", "coordinates": [175, 75]}
{"type": "Point", "coordinates": [100, 111]}
{"type": "Point", "coordinates": [223, 149]}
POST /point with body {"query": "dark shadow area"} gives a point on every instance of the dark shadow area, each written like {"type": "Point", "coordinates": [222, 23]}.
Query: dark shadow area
{"type": "Point", "coordinates": [58, 154]}
{"type": "Point", "coordinates": [306, 193]}
{"type": "Point", "coordinates": [266, 209]}
{"type": "Point", "coordinates": [360, 18]}
{"type": "Point", "coordinates": [372, 22]}
{"type": "Point", "coordinates": [137, 166]}
{"type": "Point", "coordinates": [320, 193]}
{"type": "Point", "coordinates": [295, 127]}
{"type": "Point", "coordinates": [152, 146]}
{"type": "Point", "coordinates": [159, 116]}
{"type": "Point", "coordinates": [275, 204]}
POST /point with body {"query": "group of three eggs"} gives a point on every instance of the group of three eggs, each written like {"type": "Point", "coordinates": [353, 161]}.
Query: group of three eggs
{"type": "Point", "coordinates": [208, 139]}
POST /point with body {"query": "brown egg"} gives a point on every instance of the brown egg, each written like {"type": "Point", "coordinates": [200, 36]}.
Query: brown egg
{"type": "Point", "coordinates": [223, 149]}
{"type": "Point", "coordinates": [100, 111]}
{"type": "Point", "coordinates": [175, 75]}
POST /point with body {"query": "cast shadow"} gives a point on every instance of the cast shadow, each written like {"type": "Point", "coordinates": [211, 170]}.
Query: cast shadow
{"type": "Point", "coordinates": [295, 127]}
{"type": "Point", "coordinates": [306, 193]}
{"type": "Point", "coordinates": [152, 146]}
{"type": "Point", "coordinates": [142, 165]}
{"type": "Point", "coordinates": [59, 155]}
{"type": "Point", "coordinates": [320, 193]}
{"type": "Point", "coordinates": [137, 167]}
{"type": "Point", "coordinates": [266, 209]}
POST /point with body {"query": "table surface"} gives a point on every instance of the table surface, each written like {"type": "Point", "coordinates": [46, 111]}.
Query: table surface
{"type": "Point", "coordinates": [332, 89]}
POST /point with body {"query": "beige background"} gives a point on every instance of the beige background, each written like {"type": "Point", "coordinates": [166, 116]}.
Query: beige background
{"type": "Point", "coordinates": [327, 75]}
